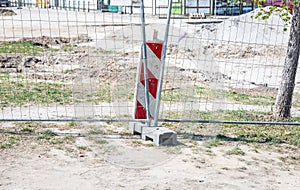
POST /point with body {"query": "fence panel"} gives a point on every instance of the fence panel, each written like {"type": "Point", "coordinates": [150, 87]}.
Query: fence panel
{"type": "Point", "coordinates": [226, 70]}
{"type": "Point", "coordinates": [58, 64]}
{"type": "Point", "coordinates": [65, 65]}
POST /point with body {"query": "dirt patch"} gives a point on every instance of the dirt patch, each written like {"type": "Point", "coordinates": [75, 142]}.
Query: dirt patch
{"type": "Point", "coordinates": [7, 12]}
{"type": "Point", "coordinates": [101, 161]}
{"type": "Point", "coordinates": [239, 51]}
{"type": "Point", "coordinates": [47, 42]}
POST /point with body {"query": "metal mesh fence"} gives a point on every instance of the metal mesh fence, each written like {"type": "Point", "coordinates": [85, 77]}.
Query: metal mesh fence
{"type": "Point", "coordinates": [65, 65]}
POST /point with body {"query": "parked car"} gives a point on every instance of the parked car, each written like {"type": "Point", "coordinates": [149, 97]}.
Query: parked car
{"type": "Point", "coordinates": [5, 3]}
{"type": "Point", "coordinates": [232, 8]}
{"type": "Point", "coordinates": [223, 8]}
{"type": "Point", "coordinates": [220, 8]}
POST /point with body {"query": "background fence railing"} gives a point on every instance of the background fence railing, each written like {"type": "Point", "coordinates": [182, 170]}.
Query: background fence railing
{"type": "Point", "coordinates": [67, 65]}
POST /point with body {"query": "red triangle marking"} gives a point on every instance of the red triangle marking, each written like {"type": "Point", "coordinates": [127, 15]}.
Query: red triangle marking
{"type": "Point", "coordinates": [156, 48]}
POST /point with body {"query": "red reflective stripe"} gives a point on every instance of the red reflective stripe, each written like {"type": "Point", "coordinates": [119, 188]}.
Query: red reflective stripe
{"type": "Point", "coordinates": [140, 112]}
{"type": "Point", "coordinates": [152, 81]}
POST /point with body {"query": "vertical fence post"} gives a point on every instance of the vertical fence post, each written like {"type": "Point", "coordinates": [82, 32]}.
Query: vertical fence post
{"type": "Point", "coordinates": [83, 6]}
{"type": "Point", "coordinates": [144, 58]}
{"type": "Point", "coordinates": [78, 6]}
{"type": "Point", "coordinates": [69, 5]}
{"type": "Point", "coordinates": [88, 6]}
{"type": "Point", "coordinates": [163, 60]}
{"type": "Point", "coordinates": [74, 3]}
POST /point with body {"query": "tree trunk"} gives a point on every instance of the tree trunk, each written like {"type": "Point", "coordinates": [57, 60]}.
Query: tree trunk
{"type": "Point", "coordinates": [285, 92]}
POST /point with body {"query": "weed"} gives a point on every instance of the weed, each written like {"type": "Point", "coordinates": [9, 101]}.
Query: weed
{"type": "Point", "coordinates": [57, 141]}
{"type": "Point", "coordinates": [167, 124]}
{"type": "Point", "coordinates": [191, 142]}
{"type": "Point", "coordinates": [10, 142]}
{"type": "Point", "coordinates": [212, 143]}
{"type": "Point", "coordinates": [82, 148]}
{"type": "Point", "coordinates": [69, 138]}
{"type": "Point", "coordinates": [72, 124]}
{"type": "Point", "coordinates": [101, 141]}
{"type": "Point", "coordinates": [136, 141]}
{"type": "Point", "coordinates": [96, 131]}
{"type": "Point", "coordinates": [27, 130]}
{"type": "Point", "coordinates": [69, 49]}
{"type": "Point", "coordinates": [47, 135]}
{"type": "Point", "coordinates": [68, 149]}
{"type": "Point", "coordinates": [235, 151]}
{"type": "Point", "coordinates": [210, 152]}
{"type": "Point", "coordinates": [149, 145]}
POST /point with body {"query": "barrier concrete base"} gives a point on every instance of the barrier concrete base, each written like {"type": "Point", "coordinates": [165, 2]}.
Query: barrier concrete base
{"type": "Point", "coordinates": [159, 135]}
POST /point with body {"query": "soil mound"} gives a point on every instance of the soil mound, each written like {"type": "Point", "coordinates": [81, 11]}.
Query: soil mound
{"type": "Point", "coordinates": [7, 12]}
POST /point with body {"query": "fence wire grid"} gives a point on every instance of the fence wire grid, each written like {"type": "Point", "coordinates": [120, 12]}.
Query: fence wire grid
{"type": "Point", "coordinates": [65, 65]}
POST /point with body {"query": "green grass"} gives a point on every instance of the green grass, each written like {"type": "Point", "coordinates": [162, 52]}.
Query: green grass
{"type": "Point", "coordinates": [196, 92]}
{"type": "Point", "coordinates": [229, 115]}
{"type": "Point", "coordinates": [20, 47]}
{"type": "Point", "coordinates": [249, 99]}
{"type": "Point", "coordinates": [271, 134]}
{"type": "Point", "coordinates": [262, 134]}
{"type": "Point", "coordinates": [175, 95]}
{"type": "Point", "coordinates": [15, 91]}
{"type": "Point", "coordinates": [20, 92]}
{"type": "Point", "coordinates": [4, 75]}
{"type": "Point", "coordinates": [24, 133]}
{"type": "Point", "coordinates": [103, 93]}
{"type": "Point", "coordinates": [9, 142]}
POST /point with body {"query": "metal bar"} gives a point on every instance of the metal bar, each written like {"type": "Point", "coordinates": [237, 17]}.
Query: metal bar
{"type": "Point", "coordinates": [161, 120]}
{"type": "Point", "coordinates": [73, 120]}
{"type": "Point", "coordinates": [163, 59]}
{"type": "Point", "coordinates": [145, 63]}
{"type": "Point", "coordinates": [229, 122]}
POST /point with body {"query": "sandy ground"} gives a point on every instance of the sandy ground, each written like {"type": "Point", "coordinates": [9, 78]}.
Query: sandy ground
{"type": "Point", "coordinates": [125, 162]}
